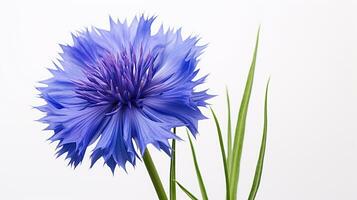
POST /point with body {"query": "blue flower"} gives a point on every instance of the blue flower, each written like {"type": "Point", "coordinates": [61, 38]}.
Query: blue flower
{"type": "Point", "coordinates": [121, 90]}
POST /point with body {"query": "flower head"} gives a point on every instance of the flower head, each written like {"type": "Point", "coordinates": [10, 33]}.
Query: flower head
{"type": "Point", "coordinates": [121, 90]}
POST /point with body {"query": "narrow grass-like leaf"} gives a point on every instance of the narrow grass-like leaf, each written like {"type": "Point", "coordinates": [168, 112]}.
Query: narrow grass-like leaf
{"type": "Point", "coordinates": [198, 172]}
{"type": "Point", "coordinates": [259, 167]}
{"type": "Point", "coordinates": [222, 152]}
{"type": "Point", "coordinates": [229, 132]}
{"type": "Point", "coordinates": [173, 170]}
{"type": "Point", "coordinates": [240, 127]}
{"type": "Point", "coordinates": [188, 193]}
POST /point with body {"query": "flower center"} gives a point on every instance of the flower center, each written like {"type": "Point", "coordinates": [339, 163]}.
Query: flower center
{"type": "Point", "coordinates": [119, 80]}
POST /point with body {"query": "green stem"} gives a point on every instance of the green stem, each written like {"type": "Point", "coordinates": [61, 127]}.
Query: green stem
{"type": "Point", "coordinates": [173, 170]}
{"type": "Point", "coordinates": [150, 166]}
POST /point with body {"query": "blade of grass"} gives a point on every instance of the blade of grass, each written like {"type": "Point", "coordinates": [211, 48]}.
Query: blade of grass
{"type": "Point", "coordinates": [198, 172]}
{"type": "Point", "coordinates": [173, 170]}
{"type": "Point", "coordinates": [240, 127]}
{"type": "Point", "coordinates": [259, 167]}
{"type": "Point", "coordinates": [222, 152]}
{"type": "Point", "coordinates": [188, 193]}
{"type": "Point", "coordinates": [229, 132]}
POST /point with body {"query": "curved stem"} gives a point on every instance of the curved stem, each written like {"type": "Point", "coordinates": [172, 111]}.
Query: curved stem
{"type": "Point", "coordinates": [150, 166]}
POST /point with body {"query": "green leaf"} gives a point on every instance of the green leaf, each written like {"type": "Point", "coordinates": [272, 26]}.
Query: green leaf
{"type": "Point", "coordinates": [173, 170]}
{"type": "Point", "coordinates": [198, 173]}
{"type": "Point", "coordinates": [229, 132]}
{"type": "Point", "coordinates": [259, 167]}
{"type": "Point", "coordinates": [189, 194]}
{"type": "Point", "coordinates": [240, 127]}
{"type": "Point", "coordinates": [222, 152]}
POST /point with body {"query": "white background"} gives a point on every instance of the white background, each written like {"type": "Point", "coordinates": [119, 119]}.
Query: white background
{"type": "Point", "coordinates": [308, 47]}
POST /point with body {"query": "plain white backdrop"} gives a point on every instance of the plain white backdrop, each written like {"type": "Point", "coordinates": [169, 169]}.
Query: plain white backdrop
{"type": "Point", "coordinates": [307, 47]}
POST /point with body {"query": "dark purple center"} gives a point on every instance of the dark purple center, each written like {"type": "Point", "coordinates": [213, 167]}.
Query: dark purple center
{"type": "Point", "coordinates": [120, 80]}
